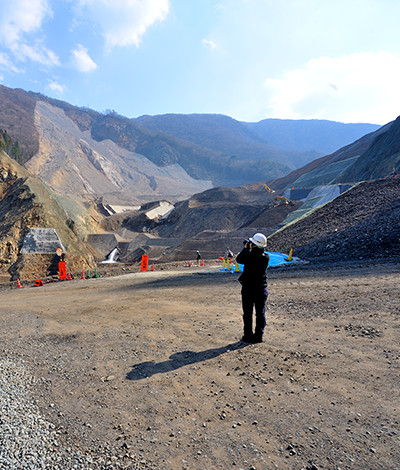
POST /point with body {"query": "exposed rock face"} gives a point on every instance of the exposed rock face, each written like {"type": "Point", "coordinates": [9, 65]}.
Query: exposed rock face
{"type": "Point", "coordinates": [72, 163]}
{"type": "Point", "coordinates": [25, 203]}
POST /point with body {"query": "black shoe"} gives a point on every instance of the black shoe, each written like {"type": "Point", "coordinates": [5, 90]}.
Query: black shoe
{"type": "Point", "coordinates": [247, 339]}
{"type": "Point", "coordinates": [257, 339]}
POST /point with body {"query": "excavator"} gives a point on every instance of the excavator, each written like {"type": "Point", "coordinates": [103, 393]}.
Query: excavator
{"type": "Point", "coordinates": [279, 200]}
{"type": "Point", "coordinates": [268, 189]}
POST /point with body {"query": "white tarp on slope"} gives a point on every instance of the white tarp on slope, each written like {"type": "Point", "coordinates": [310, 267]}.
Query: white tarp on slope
{"type": "Point", "coordinates": [324, 193]}
{"type": "Point", "coordinates": [41, 240]}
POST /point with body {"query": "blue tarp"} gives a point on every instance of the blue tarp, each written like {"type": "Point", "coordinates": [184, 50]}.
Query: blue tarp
{"type": "Point", "coordinates": [275, 259]}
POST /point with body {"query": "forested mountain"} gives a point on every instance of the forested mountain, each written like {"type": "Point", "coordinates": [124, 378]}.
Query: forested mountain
{"type": "Point", "coordinates": [295, 143]}
{"type": "Point", "coordinates": [319, 135]}
{"type": "Point", "coordinates": [157, 156]}
{"type": "Point", "coordinates": [19, 118]}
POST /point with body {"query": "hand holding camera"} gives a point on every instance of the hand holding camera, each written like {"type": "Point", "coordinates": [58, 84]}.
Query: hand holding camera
{"type": "Point", "coordinates": [247, 243]}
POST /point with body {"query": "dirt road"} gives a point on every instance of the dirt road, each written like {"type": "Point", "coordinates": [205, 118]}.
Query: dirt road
{"type": "Point", "coordinates": [148, 367]}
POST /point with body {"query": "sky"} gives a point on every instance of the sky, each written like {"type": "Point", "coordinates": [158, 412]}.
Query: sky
{"type": "Point", "coordinates": [248, 59]}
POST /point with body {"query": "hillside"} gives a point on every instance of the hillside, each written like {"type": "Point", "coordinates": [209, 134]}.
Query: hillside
{"type": "Point", "coordinates": [26, 203]}
{"type": "Point", "coordinates": [152, 153]}
{"type": "Point", "coordinates": [226, 136]}
{"type": "Point", "coordinates": [17, 110]}
{"type": "Point", "coordinates": [372, 156]}
{"type": "Point", "coordinates": [362, 223]}
{"type": "Point", "coordinates": [295, 143]}
{"type": "Point", "coordinates": [379, 159]}
{"type": "Point", "coordinates": [72, 162]}
{"type": "Point", "coordinates": [321, 136]}
{"type": "Point", "coordinates": [19, 117]}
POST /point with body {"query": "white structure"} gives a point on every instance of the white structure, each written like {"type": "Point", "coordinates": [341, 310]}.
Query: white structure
{"type": "Point", "coordinates": [41, 240]}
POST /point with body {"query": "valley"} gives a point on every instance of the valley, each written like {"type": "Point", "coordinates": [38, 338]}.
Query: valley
{"type": "Point", "coordinates": [146, 370]}
{"type": "Point", "coordinates": [118, 368]}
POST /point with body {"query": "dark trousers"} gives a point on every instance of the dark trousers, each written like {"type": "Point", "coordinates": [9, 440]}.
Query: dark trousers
{"type": "Point", "coordinates": [256, 298]}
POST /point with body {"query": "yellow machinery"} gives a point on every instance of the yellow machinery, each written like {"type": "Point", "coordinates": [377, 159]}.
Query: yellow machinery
{"type": "Point", "coordinates": [278, 200]}
{"type": "Point", "coordinates": [268, 189]}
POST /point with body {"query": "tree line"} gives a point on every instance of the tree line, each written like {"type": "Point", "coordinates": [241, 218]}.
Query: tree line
{"type": "Point", "coordinates": [9, 146]}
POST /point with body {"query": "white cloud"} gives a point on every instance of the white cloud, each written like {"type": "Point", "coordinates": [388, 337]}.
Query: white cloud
{"type": "Point", "coordinates": [37, 53]}
{"type": "Point", "coordinates": [209, 43]}
{"type": "Point", "coordinates": [82, 61]}
{"type": "Point", "coordinates": [361, 87]}
{"type": "Point", "coordinates": [20, 18]}
{"type": "Point", "coordinates": [124, 22]}
{"type": "Point", "coordinates": [6, 63]}
{"type": "Point", "coordinates": [57, 87]}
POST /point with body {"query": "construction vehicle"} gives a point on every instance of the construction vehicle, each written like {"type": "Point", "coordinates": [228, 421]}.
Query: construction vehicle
{"type": "Point", "coordinates": [279, 200]}
{"type": "Point", "coordinates": [268, 189]}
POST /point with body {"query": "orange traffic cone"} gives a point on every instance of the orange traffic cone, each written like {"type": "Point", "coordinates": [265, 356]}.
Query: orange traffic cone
{"type": "Point", "coordinates": [189, 264]}
{"type": "Point", "coordinates": [18, 283]}
{"type": "Point", "coordinates": [202, 262]}
{"type": "Point", "coordinates": [152, 266]}
{"type": "Point", "coordinates": [38, 283]}
{"type": "Point", "coordinates": [290, 257]}
{"type": "Point", "coordinates": [69, 277]}
{"type": "Point", "coordinates": [83, 274]}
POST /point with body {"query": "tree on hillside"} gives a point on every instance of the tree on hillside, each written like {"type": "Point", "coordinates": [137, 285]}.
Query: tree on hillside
{"type": "Point", "coordinates": [11, 148]}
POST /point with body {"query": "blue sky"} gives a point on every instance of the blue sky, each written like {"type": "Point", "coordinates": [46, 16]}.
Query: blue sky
{"type": "Point", "coordinates": [248, 59]}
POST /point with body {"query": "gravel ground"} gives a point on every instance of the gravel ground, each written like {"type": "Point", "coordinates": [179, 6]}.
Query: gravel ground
{"type": "Point", "coordinates": [145, 370]}
{"type": "Point", "coordinates": [27, 439]}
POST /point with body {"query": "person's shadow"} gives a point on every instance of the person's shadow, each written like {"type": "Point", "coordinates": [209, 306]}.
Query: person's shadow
{"type": "Point", "coordinates": [180, 359]}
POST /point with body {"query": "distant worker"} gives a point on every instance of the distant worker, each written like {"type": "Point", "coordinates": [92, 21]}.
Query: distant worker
{"type": "Point", "coordinates": [228, 255]}
{"type": "Point", "coordinates": [198, 257]}
{"type": "Point", "coordinates": [254, 286]}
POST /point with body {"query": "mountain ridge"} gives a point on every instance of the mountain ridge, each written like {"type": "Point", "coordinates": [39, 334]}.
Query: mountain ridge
{"type": "Point", "coordinates": [343, 166]}
{"type": "Point", "coordinates": [232, 154]}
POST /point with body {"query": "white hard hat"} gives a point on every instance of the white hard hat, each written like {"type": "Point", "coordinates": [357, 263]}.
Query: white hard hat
{"type": "Point", "coordinates": [259, 240]}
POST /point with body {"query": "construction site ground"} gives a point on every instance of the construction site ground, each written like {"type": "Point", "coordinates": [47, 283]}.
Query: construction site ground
{"type": "Point", "coordinates": [147, 367]}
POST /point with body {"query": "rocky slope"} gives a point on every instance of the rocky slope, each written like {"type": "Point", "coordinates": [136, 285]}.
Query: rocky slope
{"type": "Point", "coordinates": [71, 162]}
{"type": "Point", "coordinates": [148, 163]}
{"type": "Point", "coordinates": [362, 223]}
{"type": "Point", "coordinates": [370, 157]}
{"type": "Point", "coordinates": [26, 203]}
{"type": "Point", "coordinates": [209, 221]}
{"type": "Point", "coordinates": [148, 154]}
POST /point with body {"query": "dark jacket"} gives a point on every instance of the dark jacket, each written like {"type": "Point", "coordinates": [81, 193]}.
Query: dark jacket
{"type": "Point", "coordinates": [255, 263]}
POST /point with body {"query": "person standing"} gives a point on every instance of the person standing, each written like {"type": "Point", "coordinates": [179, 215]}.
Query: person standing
{"type": "Point", "coordinates": [198, 257]}
{"type": "Point", "coordinates": [228, 255]}
{"type": "Point", "coordinates": [254, 286]}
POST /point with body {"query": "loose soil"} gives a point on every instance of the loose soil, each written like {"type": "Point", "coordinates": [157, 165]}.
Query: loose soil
{"type": "Point", "coordinates": [150, 366]}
